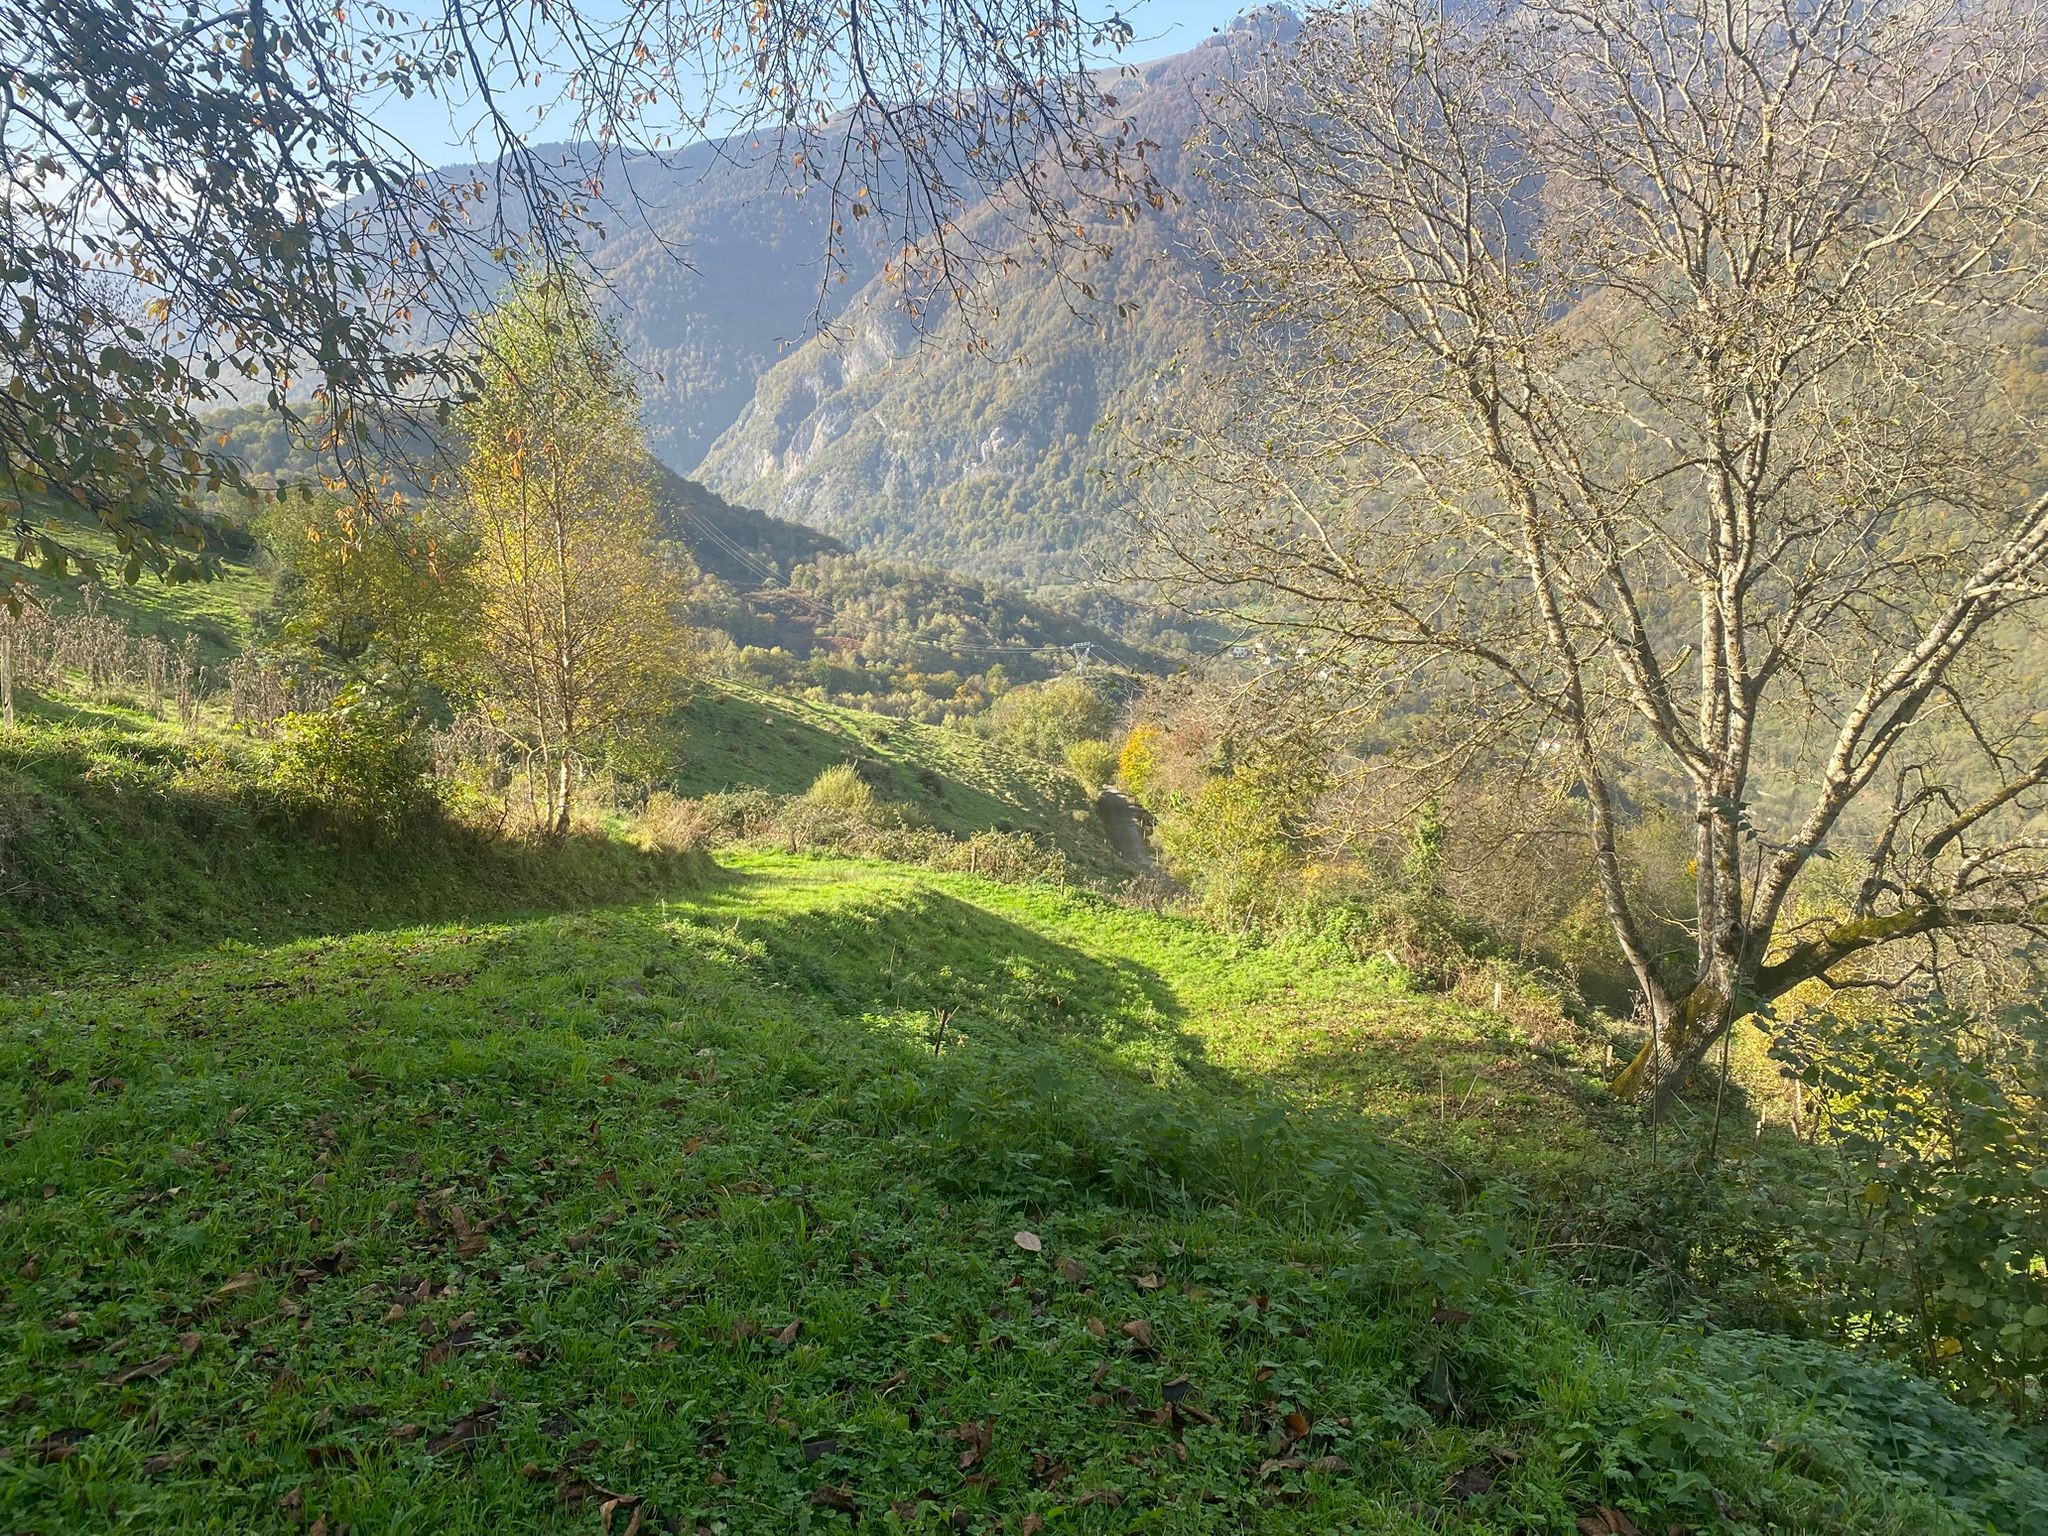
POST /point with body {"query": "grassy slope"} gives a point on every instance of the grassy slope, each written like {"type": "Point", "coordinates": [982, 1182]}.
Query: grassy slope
{"type": "Point", "coordinates": [736, 737]}
{"type": "Point", "coordinates": [218, 611]}
{"type": "Point", "coordinates": [120, 837]}
{"type": "Point", "coordinates": [475, 1226]}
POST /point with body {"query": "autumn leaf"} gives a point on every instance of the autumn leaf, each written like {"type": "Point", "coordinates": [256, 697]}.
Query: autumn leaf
{"type": "Point", "coordinates": [1071, 1272]}
{"type": "Point", "coordinates": [1139, 1332]}
{"type": "Point", "coordinates": [470, 1426]}
{"type": "Point", "coordinates": [59, 1446]}
{"type": "Point", "coordinates": [1607, 1522]}
{"type": "Point", "coordinates": [1472, 1482]}
{"type": "Point", "coordinates": [977, 1435]}
{"type": "Point", "coordinates": [1030, 1242]}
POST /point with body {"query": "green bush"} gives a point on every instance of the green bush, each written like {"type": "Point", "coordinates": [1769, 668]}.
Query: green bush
{"type": "Point", "coordinates": [1093, 762]}
{"type": "Point", "coordinates": [840, 789]}
{"type": "Point", "coordinates": [1938, 1248]}
{"type": "Point", "coordinates": [1043, 720]}
{"type": "Point", "coordinates": [362, 770]}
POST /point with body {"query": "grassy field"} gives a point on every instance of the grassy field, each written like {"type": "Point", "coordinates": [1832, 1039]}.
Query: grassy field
{"type": "Point", "coordinates": [218, 612]}
{"type": "Point", "coordinates": [817, 1193]}
{"type": "Point", "coordinates": [735, 738]}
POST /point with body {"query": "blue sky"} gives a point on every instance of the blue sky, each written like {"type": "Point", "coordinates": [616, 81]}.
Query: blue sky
{"type": "Point", "coordinates": [1163, 26]}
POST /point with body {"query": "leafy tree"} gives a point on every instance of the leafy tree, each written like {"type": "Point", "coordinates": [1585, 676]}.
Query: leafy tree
{"type": "Point", "coordinates": [577, 640]}
{"type": "Point", "coordinates": [1627, 380]}
{"type": "Point", "coordinates": [1043, 720]}
{"type": "Point", "coordinates": [388, 603]}
{"type": "Point", "coordinates": [1244, 836]}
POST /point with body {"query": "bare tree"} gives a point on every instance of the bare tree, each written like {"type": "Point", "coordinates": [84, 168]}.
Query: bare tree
{"type": "Point", "coordinates": [1632, 378]}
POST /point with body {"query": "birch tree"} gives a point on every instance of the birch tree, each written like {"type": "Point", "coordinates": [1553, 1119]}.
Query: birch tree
{"type": "Point", "coordinates": [1631, 382]}
{"type": "Point", "coordinates": [577, 637]}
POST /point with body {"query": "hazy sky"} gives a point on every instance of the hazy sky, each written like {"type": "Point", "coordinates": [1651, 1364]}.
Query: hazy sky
{"type": "Point", "coordinates": [439, 136]}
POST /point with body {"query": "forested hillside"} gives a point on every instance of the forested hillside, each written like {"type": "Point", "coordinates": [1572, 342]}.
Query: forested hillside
{"type": "Point", "coordinates": [979, 442]}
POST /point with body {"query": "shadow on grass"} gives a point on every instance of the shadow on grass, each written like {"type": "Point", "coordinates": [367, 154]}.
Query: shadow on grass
{"type": "Point", "coordinates": [111, 858]}
{"type": "Point", "coordinates": [894, 945]}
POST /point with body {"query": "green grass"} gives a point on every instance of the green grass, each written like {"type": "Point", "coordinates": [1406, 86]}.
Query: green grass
{"type": "Point", "coordinates": [121, 838]}
{"type": "Point", "coordinates": [477, 1225]}
{"type": "Point", "coordinates": [219, 612]}
{"type": "Point", "coordinates": [736, 737]}
{"type": "Point", "coordinates": [462, 1186]}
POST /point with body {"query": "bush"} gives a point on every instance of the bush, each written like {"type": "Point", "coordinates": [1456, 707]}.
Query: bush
{"type": "Point", "coordinates": [1042, 720]}
{"type": "Point", "coordinates": [670, 824]}
{"type": "Point", "coordinates": [841, 791]}
{"type": "Point", "coordinates": [1094, 763]}
{"type": "Point", "coordinates": [1138, 766]}
{"type": "Point", "coordinates": [1937, 1237]}
{"type": "Point", "coordinates": [361, 769]}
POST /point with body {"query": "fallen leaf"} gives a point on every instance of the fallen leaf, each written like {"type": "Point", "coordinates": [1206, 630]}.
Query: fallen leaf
{"type": "Point", "coordinates": [1151, 1280]}
{"type": "Point", "coordinates": [1032, 1525]}
{"type": "Point", "coordinates": [465, 1429]}
{"type": "Point", "coordinates": [1072, 1272]}
{"type": "Point", "coordinates": [788, 1335]}
{"type": "Point", "coordinates": [821, 1445]}
{"type": "Point", "coordinates": [1280, 1464]}
{"type": "Point", "coordinates": [1095, 1327]}
{"type": "Point", "coordinates": [1449, 1315]}
{"type": "Point", "coordinates": [1472, 1482]}
{"type": "Point", "coordinates": [1138, 1331]}
{"type": "Point", "coordinates": [1030, 1242]}
{"type": "Point", "coordinates": [1330, 1464]}
{"type": "Point", "coordinates": [977, 1435]}
{"type": "Point", "coordinates": [831, 1496]}
{"type": "Point", "coordinates": [1607, 1522]}
{"type": "Point", "coordinates": [60, 1445]}
{"type": "Point", "coordinates": [148, 1370]}
{"type": "Point", "coordinates": [1175, 1390]}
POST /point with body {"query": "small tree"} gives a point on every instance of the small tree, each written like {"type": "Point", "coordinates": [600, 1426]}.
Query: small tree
{"type": "Point", "coordinates": [1626, 382]}
{"type": "Point", "coordinates": [577, 639]}
{"type": "Point", "coordinates": [384, 602]}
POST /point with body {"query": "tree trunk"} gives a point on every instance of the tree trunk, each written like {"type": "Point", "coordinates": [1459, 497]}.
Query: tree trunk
{"type": "Point", "coordinates": [7, 675]}
{"type": "Point", "coordinates": [1678, 1043]}
{"type": "Point", "coordinates": [564, 779]}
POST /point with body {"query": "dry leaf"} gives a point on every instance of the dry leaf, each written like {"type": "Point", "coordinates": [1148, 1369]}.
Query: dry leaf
{"type": "Point", "coordinates": [148, 1370]}
{"type": "Point", "coordinates": [1030, 1242]}
{"type": "Point", "coordinates": [1139, 1332]}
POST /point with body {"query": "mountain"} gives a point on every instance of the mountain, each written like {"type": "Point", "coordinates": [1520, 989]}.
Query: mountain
{"type": "Point", "coordinates": [968, 444]}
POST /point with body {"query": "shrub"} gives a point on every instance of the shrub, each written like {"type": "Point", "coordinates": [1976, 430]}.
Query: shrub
{"type": "Point", "coordinates": [842, 791]}
{"type": "Point", "coordinates": [1093, 762]}
{"type": "Point", "coordinates": [1939, 1216]}
{"type": "Point", "coordinates": [1138, 766]}
{"type": "Point", "coordinates": [670, 824]}
{"type": "Point", "coordinates": [362, 769]}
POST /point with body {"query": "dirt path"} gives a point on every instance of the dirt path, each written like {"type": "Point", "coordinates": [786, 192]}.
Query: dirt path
{"type": "Point", "coordinates": [1127, 823]}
